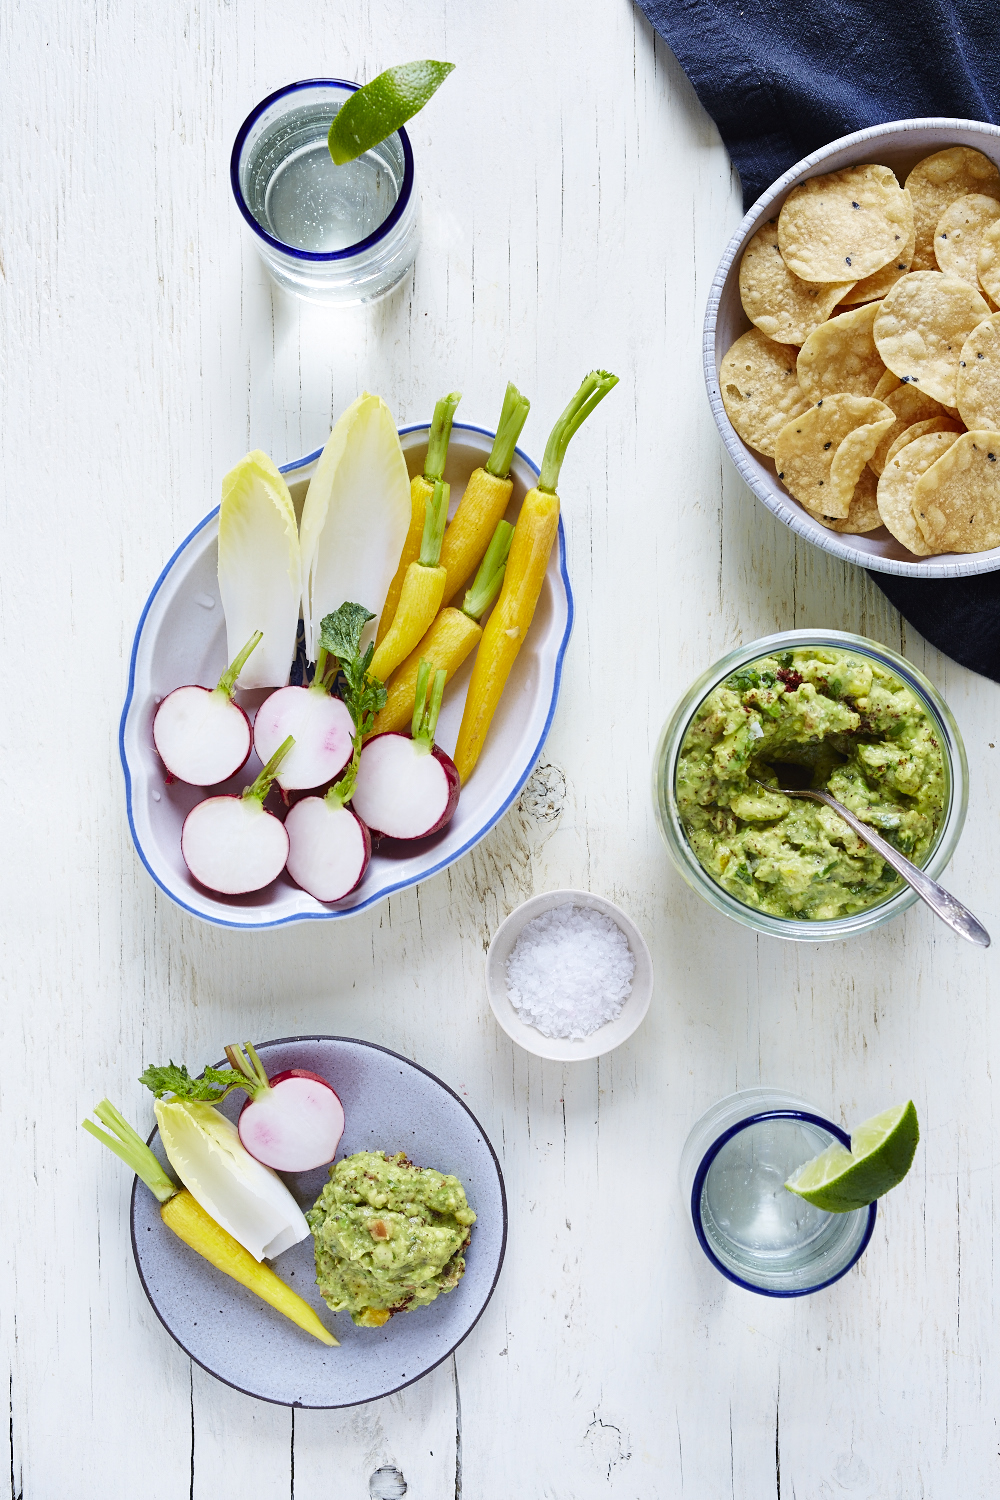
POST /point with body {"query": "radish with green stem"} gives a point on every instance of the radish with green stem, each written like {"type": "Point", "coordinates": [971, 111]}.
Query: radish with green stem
{"type": "Point", "coordinates": [407, 787]}
{"type": "Point", "coordinates": [291, 1122]}
{"type": "Point", "coordinates": [201, 735]}
{"type": "Point", "coordinates": [230, 844]}
{"type": "Point", "coordinates": [321, 726]}
{"type": "Point", "coordinates": [329, 847]}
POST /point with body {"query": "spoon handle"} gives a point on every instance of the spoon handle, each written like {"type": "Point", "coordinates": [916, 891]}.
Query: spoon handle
{"type": "Point", "coordinates": [940, 901]}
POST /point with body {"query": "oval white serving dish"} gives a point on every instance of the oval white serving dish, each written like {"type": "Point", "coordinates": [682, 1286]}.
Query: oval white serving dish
{"type": "Point", "coordinates": [181, 638]}
{"type": "Point", "coordinates": [558, 1048]}
{"type": "Point", "coordinates": [899, 145]}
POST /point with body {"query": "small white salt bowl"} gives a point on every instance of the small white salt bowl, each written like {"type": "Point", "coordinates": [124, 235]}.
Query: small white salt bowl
{"type": "Point", "coordinates": [557, 1048]}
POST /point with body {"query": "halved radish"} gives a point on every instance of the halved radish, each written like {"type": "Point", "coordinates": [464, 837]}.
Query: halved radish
{"type": "Point", "coordinates": [407, 788]}
{"type": "Point", "coordinates": [200, 734]}
{"type": "Point", "coordinates": [291, 1122]}
{"type": "Point", "coordinates": [328, 847]}
{"type": "Point", "coordinates": [230, 844]}
{"type": "Point", "coordinates": [321, 726]}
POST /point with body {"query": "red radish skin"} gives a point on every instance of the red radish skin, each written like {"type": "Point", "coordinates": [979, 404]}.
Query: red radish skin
{"type": "Point", "coordinates": [232, 846]}
{"type": "Point", "coordinates": [323, 730]}
{"type": "Point", "coordinates": [405, 791]}
{"type": "Point", "coordinates": [200, 734]}
{"type": "Point", "coordinates": [294, 1125]}
{"type": "Point", "coordinates": [328, 848]}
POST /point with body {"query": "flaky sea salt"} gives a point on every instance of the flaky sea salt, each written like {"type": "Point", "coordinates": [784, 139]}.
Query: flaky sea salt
{"type": "Point", "coordinates": [570, 972]}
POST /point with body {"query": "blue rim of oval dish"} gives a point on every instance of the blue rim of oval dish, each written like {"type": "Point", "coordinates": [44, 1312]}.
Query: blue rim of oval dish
{"type": "Point", "coordinates": [699, 1182]}
{"type": "Point", "coordinates": [285, 1041]}
{"type": "Point", "coordinates": [351, 911]}
{"type": "Point", "coordinates": [383, 229]}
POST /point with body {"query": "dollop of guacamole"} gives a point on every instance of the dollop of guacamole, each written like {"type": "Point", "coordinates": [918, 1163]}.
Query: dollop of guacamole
{"type": "Point", "coordinates": [862, 735]}
{"type": "Point", "coordinates": [388, 1236]}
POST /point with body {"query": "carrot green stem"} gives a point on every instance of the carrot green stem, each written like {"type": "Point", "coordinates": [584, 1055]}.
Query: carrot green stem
{"type": "Point", "coordinates": [594, 389]}
{"type": "Point", "coordinates": [427, 705]}
{"type": "Point", "coordinates": [434, 523]}
{"type": "Point", "coordinates": [513, 415]}
{"type": "Point", "coordinates": [227, 682]}
{"type": "Point", "coordinates": [437, 444]}
{"type": "Point", "coordinates": [132, 1149]}
{"type": "Point", "coordinates": [260, 788]}
{"type": "Point", "coordinates": [486, 584]}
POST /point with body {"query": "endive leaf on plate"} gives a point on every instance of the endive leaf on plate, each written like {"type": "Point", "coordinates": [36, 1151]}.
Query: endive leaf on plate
{"type": "Point", "coordinates": [355, 517]}
{"type": "Point", "coordinates": [238, 1192]}
{"type": "Point", "coordinates": [259, 570]}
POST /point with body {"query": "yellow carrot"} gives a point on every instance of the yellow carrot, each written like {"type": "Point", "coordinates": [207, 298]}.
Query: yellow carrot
{"type": "Point", "coordinates": [421, 491]}
{"type": "Point", "coordinates": [185, 1217]}
{"type": "Point", "coordinates": [453, 635]}
{"type": "Point", "coordinates": [534, 535]}
{"type": "Point", "coordinates": [486, 497]}
{"type": "Point", "coordinates": [421, 594]}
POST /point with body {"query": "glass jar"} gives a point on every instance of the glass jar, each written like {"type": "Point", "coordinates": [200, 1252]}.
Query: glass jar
{"type": "Point", "coordinates": [668, 818]}
{"type": "Point", "coordinates": [333, 234]}
{"type": "Point", "coordinates": [734, 1166]}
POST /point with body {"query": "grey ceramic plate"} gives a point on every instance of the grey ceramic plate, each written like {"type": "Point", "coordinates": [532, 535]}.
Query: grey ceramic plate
{"type": "Point", "coordinates": [390, 1105]}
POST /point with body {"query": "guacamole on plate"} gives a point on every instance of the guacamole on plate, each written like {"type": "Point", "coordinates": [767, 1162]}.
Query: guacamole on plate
{"type": "Point", "coordinates": [388, 1235]}
{"type": "Point", "coordinates": [862, 735]}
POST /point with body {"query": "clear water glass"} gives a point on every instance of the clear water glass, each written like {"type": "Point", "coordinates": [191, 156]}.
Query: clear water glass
{"type": "Point", "coordinates": [734, 1166]}
{"type": "Point", "coordinates": [334, 234]}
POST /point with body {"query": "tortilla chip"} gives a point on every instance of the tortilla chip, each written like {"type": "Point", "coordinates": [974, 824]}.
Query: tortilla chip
{"type": "Point", "coordinates": [937, 181]}
{"type": "Point", "coordinates": [957, 501]}
{"type": "Point", "coordinates": [943, 423]}
{"type": "Point", "coordinates": [783, 306]}
{"type": "Point", "coordinates": [864, 514]}
{"type": "Point", "coordinates": [897, 488]}
{"type": "Point", "coordinates": [840, 356]}
{"type": "Point", "coordinates": [959, 234]}
{"type": "Point", "coordinates": [921, 326]}
{"type": "Point", "coordinates": [808, 454]}
{"type": "Point", "coordinates": [759, 388]}
{"type": "Point", "coordinates": [979, 377]}
{"type": "Point", "coordinates": [889, 382]}
{"type": "Point", "coordinates": [910, 405]}
{"type": "Point", "coordinates": [988, 261]}
{"type": "Point", "coordinates": [847, 223]}
{"type": "Point", "coordinates": [873, 288]}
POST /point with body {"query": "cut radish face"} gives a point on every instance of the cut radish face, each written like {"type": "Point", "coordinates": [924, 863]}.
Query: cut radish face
{"type": "Point", "coordinates": [200, 734]}
{"type": "Point", "coordinates": [328, 848]}
{"type": "Point", "coordinates": [321, 727]}
{"type": "Point", "coordinates": [407, 788]}
{"type": "Point", "coordinates": [230, 844]}
{"type": "Point", "coordinates": [292, 1122]}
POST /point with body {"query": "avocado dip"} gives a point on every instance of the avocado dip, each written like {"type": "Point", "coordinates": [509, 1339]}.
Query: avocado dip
{"type": "Point", "coordinates": [388, 1235]}
{"type": "Point", "coordinates": [861, 734]}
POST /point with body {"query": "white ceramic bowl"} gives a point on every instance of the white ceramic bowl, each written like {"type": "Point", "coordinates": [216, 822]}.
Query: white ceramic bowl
{"type": "Point", "coordinates": [181, 638]}
{"type": "Point", "coordinates": [563, 1049]}
{"type": "Point", "coordinates": [899, 145]}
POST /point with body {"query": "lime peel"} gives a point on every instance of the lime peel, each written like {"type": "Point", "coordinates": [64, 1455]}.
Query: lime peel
{"type": "Point", "coordinates": [882, 1149]}
{"type": "Point", "coordinates": [382, 106]}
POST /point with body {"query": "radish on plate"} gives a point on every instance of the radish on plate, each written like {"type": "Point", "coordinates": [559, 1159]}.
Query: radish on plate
{"type": "Point", "coordinates": [230, 844]}
{"type": "Point", "coordinates": [407, 788]}
{"type": "Point", "coordinates": [291, 1122]}
{"type": "Point", "coordinates": [321, 726]}
{"type": "Point", "coordinates": [200, 734]}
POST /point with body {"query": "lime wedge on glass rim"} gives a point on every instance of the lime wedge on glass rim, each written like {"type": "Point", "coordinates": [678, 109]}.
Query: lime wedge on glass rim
{"type": "Point", "coordinates": [881, 1154]}
{"type": "Point", "coordinates": [382, 106]}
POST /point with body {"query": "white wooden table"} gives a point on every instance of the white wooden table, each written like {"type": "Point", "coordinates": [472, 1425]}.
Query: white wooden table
{"type": "Point", "coordinates": [576, 200]}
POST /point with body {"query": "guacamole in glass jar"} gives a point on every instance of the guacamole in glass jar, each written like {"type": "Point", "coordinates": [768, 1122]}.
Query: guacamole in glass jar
{"type": "Point", "coordinates": [861, 735]}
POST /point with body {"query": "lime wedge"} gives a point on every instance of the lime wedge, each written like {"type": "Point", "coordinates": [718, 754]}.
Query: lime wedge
{"type": "Point", "coordinates": [881, 1154]}
{"type": "Point", "coordinates": [379, 108]}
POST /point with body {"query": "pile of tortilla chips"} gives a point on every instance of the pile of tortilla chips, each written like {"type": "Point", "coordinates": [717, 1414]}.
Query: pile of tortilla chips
{"type": "Point", "coordinates": [872, 372]}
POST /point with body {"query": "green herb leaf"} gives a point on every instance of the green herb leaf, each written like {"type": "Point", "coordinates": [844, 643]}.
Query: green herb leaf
{"type": "Point", "coordinates": [174, 1078]}
{"type": "Point", "coordinates": [340, 632]}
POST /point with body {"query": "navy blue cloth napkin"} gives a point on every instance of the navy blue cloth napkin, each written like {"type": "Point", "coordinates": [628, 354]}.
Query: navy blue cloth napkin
{"type": "Point", "coordinates": [781, 79]}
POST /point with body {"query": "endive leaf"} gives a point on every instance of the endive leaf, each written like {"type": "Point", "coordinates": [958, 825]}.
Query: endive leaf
{"type": "Point", "coordinates": [355, 517]}
{"type": "Point", "coordinates": [259, 570]}
{"type": "Point", "coordinates": [238, 1192]}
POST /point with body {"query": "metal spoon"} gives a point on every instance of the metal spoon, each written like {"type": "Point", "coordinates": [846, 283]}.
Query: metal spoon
{"type": "Point", "coordinates": [940, 901]}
